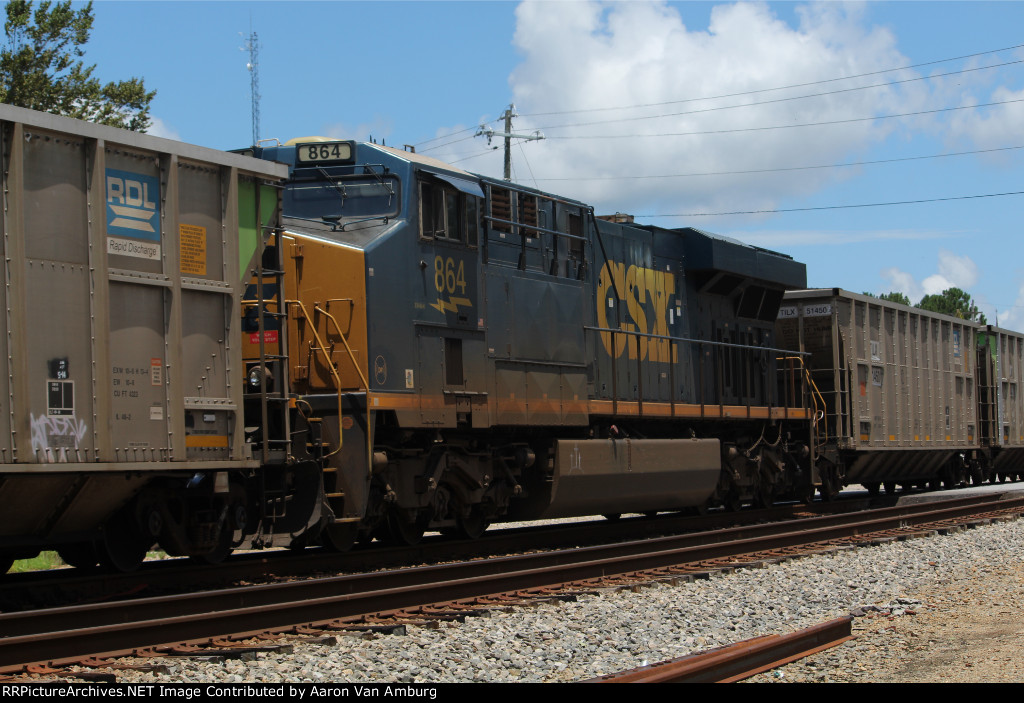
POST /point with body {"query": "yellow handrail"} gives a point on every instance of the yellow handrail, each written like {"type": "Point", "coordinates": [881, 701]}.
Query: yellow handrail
{"type": "Point", "coordinates": [819, 411]}
{"type": "Point", "coordinates": [366, 387]}
{"type": "Point", "coordinates": [330, 365]}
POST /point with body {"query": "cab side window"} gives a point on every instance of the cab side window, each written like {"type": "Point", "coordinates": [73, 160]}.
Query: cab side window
{"type": "Point", "coordinates": [445, 213]}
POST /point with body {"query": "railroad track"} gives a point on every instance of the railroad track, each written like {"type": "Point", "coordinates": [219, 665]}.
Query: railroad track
{"type": "Point", "coordinates": [159, 577]}
{"type": "Point", "coordinates": [742, 660]}
{"type": "Point", "coordinates": [65, 635]}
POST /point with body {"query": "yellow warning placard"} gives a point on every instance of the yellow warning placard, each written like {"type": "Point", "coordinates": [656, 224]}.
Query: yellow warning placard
{"type": "Point", "coordinates": [192, 240]}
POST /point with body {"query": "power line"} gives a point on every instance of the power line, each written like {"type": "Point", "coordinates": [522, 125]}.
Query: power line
{"type": "Point", "coordinates": [786, 168]}
{"type": "Point", "coordinates": [452, 134]}
{"type": "Point", "coordinates": [768, 90]}
{"type": "Point", "coordinates": [454, 141]}
{"type": "Point", "coordinates": [834, 207]}
{"type": "Point", "coordinates": [777, 100]}
{"type": "Point", "coordinates": [791, 126]}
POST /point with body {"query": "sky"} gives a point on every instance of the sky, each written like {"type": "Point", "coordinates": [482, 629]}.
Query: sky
{"type": "Point", "coordinates": [793, 126]}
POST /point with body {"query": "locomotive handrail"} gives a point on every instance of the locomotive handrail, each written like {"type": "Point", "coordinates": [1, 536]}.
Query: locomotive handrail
{"type": "Point", "coordinates": [330, 364]}
{"type": "Point", "coordinates": [542, 230]}
{"type": "Point", "coordinates": [365, 382]}
{"type": "Point", "coordinates": [694, 341]}
{"type": "Point", "coordinates": [815, 396]}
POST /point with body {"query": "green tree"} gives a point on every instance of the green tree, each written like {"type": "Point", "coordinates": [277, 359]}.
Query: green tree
{"type": "Point", "coordinates": [41, 68]}
{"type": "Point", "coordinates": [896, 297]}
{"type": "Point", "coordinates": [955, 302]}
{"type": "Point", "coordinates": [892, 296]}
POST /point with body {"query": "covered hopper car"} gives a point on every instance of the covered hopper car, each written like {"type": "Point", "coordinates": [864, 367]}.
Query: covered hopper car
{"type": "Point", "coordinates": [907, 396]}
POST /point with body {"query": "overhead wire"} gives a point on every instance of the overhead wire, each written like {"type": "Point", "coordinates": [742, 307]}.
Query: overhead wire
{"type": "Point", "coordinates": [787, 168]}
{"type": "Point", "coordinates": [833, 207]}
{"type": "Point", "coordinates": [791, 126]}
{"type": "Point", "coordinates": [776, 100]}
{"type": "Point", "coordinates": [768, 90]}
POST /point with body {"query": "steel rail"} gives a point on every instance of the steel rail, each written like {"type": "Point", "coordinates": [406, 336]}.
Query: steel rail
{"type": "Point", "coordinates": [742, 660]}
{"type": "Point", "coordinates": [64, 634]}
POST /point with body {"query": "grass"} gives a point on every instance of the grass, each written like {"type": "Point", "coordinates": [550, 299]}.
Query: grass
{"type": "Point", "coordinates": [45, 560]}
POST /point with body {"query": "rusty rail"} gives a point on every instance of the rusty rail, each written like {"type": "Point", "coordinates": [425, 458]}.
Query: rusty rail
{"type": "Point", "coordinates": [741, 660]}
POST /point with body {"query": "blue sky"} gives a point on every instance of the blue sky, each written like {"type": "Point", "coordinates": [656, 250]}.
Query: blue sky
{"type": "Point", "coordinates": [411, 72]}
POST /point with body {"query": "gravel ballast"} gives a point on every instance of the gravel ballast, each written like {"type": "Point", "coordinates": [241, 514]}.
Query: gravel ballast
{"type": "Point", "coordinates": [973, 576]}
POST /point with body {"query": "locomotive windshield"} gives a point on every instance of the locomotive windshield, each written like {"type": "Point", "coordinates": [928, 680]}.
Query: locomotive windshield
{"type": "Point", "coordinates": [319, 195]}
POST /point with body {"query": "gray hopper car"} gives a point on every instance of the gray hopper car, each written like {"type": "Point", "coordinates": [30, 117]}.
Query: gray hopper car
{"type": "Point", "coordinates": [897, 388]}
{"type": "Point", "coordinates": [1000, 405]}
{"type": "Point", "coordinates": [125, 256]}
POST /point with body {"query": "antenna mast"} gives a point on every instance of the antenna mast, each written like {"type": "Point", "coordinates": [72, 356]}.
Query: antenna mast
{"type": "Point", "coordinates": [252, 45]}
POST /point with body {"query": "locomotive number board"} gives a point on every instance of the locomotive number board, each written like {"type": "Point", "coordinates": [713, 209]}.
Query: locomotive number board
{"type": "Point", "coordinates": [324, 152]}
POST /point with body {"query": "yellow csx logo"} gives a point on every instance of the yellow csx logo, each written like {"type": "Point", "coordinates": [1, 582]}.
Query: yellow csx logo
{"type": "Point", "coordinates": [449, 276]}
{"type": "Point", "coordinates": [648, 295]}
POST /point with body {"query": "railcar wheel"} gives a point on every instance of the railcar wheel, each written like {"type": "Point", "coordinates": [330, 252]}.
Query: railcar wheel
{"type": "Point", "coordinates": [890, 488]}
{"type": "Point", "coordinates": [81, 555]}
{"type": "Point", "coordinates": [123, 546]}
{"type": "Point", "coordinates": [6, 562]}
{"type": "Point", "coordinates": [874, 488]}
{"type": "Point", "coordinates": [612, 517]}
{"type": "Point", "coordinates": [218, 553]}
{"type": "Point", "coordinates": [342, 536]}
{"type": "Point", "coordinates": [121, 552]}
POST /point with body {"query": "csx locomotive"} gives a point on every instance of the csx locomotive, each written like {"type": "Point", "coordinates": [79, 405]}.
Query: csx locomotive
{"type": "Point", "coordinates": [331, 341]}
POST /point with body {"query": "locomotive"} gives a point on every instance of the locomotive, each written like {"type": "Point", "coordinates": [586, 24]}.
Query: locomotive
{"type": "Point", "coordinates": [327, 341]}
{"type": "Point", "coordinates": [468, 350]}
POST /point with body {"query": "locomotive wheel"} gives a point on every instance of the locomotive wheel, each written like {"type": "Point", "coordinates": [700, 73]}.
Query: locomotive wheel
{"type": "Point", "coordinates": [403, 532]}
{"type": "Point", "coordinates": [342, 536]}
{"type": "Point", "coordinates": [81, 555]}
{"type": "Point", "coordinates": [764, 497]}
{"type": "Point", "coordinates": [474, 526]}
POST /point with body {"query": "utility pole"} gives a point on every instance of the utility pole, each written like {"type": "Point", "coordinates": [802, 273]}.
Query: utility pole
{"type": "Point", "coordinates": [252, 45]}
{"type": "Point", "coordinates": [508, 136]}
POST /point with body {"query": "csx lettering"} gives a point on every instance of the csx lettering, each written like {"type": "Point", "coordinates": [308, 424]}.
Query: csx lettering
{"type": "Point", "coordinates": [648, 295]}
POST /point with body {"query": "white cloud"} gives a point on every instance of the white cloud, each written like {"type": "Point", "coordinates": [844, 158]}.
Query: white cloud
{"type": "Point", "coordinates": [902, 282]}
{"type": "Point", "coordinates": [583, 58]}
{"type": "Point", "coordinates": [1014, 317]}
{"type": "Point", "coordinates": [993, 127]}
{"type": "Point", "coordinates": [954, 271]}
{"type": "Point", "coordinates": [159, 128]}
{"type": "Point", "coordinates": [379, 128]}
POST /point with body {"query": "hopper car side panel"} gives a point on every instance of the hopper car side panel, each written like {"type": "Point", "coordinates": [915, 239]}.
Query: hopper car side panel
{"type": "Point", "coordinates": [121, 294]}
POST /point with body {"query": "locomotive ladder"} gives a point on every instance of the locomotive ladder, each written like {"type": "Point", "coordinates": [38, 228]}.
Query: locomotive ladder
{"type": "Point", "coordinates": [332, 489]}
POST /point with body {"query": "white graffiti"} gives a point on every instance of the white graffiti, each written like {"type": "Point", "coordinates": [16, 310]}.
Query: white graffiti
{"type": "Point", "coordinates": [57, 432]}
